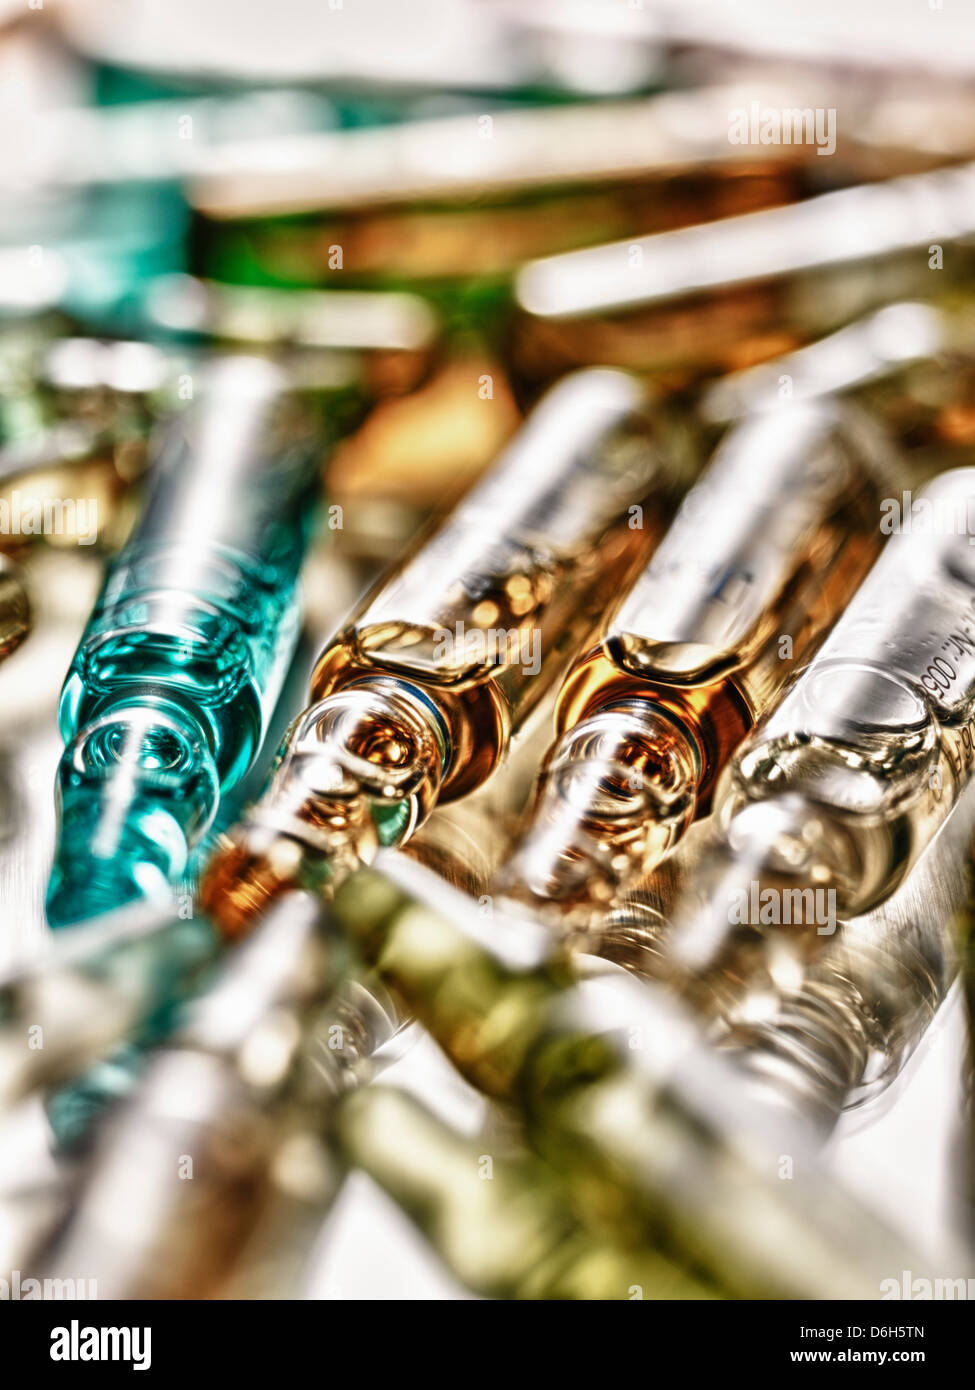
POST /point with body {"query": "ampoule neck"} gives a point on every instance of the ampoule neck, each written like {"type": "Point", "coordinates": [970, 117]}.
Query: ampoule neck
{"type": "Point", "coordinates": [137, 788]}
{"type": "Point", "coordinates": [379, 738]}
{"type": "Point", "coordinates": [799, 1053]}
{"type": "Point", "coordinates": [768, 894]}
{"type": "Point", "coordinates": [806, 1051]}
{"type": "Point", "coordinates": [617, 790]}
{"type": "Point", "coordinates": [359, 770]}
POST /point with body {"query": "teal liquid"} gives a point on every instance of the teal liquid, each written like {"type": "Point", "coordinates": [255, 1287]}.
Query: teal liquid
{"type": "Point", "coordinates": [177, 963]}
{"type": "Point", "coordinates": [163, 710]}
{"type": "Point", "coordinates": [166, 702]}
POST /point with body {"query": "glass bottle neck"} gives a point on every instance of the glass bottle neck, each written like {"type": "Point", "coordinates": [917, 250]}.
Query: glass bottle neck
{"type": "Point", "coordinates": [378, 745]}
{"type": "Point", "coordinates": [360, 769]}
{"type": "Point", "coordinates": [136, 789]}
{"type": "Point", "coordinates": [768, 896]}
{"type": "Point", "coordinates": [617, 791]}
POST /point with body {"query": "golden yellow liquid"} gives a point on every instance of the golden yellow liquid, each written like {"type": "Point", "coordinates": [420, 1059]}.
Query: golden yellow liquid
{"type": "Point", "coordinates": [484, 705]}
{"type": "Point", "coordinates": [645, 725]}
{"type": "Point", "coordinates": [482, 708]}
{"type": "Point", "coordinates": [417, 699]}
{"type": "Point", "coordinates": [720, 714]}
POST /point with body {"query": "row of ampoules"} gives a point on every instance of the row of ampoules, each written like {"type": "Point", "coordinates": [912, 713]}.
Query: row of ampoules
{"type": "Point", "coordinates": [764, 552]}
{"type": "Point", "coordinates": [683, 303]}
{"type": "Point", "coordinates": [418, 698]}
{"type": "Point", "coordinates": [733, 288]}
{"type": "Point", "coordinates": [618, 1155]}
{"type": "Point", "coordinates": [441, 665]}
{"type": "Point", "coordinates": [559, 332]}
{"type": "Point", "coordinates": [716, 259]}
{"type": "Point", "coordinates": [465, 200]}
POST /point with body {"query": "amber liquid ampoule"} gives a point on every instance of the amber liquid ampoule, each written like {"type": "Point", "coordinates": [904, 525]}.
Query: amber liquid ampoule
{"type": "Point", "coordinates": [828, 805]}
{"type": "Point", "coordinates": [765, 551]}
{"type": "Point", "coordinates": [416, 699]}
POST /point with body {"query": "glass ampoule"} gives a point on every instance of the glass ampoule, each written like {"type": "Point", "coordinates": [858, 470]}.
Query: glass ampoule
{"type": "Point", "coordinates": [513, 1237]}
{"type": "Point", "coordinates": [724, 295]}
{"type": "Point", "coordinates": [647, 1125]}
{"type": "Point", "coordinates": [74, 481]}
{"type": "Point", "coordinates": [165, 703]}
{"type": "Point", "coordinates": [909, 365]}
{"type": "Point", "coordinates": [417, 698]}
{"type": "Point", "coordinates": [835, 1034]}
{"type": "Point", "coordinates": [434, 203]}
{"type": "Point", "coordinates": [100, 985]}
{"type": "Point", "coordinates": [825, 809]}
{"type": "Point", "coordinates": [97, 400]}
{"type": "Point", "coordinates": [386, 337]}
{"type": "Point", "coordinates": [882, 347]}
{"type": "Point", "coordinates": [840, 1036]}
{"type": "Point", "coordinates": [764, 552]}
{"type": "Point", "coordinates": [965, 942]}
{"type": "Point", "coordinates": [33, 437]}
{"type": "Point", "coordinates": [246, 1075]}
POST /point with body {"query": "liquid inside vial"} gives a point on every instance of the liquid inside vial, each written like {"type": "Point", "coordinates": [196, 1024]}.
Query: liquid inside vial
{"type": "Point", "coordinates": [764, 552]}
{"type": "Point", "coordinates": [418, 697]}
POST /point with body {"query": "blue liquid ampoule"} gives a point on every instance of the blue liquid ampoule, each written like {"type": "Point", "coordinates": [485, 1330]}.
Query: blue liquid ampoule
{"type": "Point", "coordinates": [165, 703]}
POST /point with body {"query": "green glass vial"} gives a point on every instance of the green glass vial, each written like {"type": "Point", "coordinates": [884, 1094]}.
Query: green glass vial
{"type": "Point", "coordinates": [165, 704]}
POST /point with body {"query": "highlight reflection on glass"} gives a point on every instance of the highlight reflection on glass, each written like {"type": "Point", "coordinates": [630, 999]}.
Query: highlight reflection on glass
{"type": "Point", "coordinates": [167, 697]}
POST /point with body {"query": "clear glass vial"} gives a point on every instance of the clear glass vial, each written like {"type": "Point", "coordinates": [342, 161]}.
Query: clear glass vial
{"type": "Point", "coordinates": [828, 805]}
